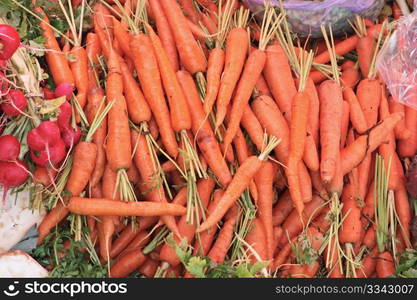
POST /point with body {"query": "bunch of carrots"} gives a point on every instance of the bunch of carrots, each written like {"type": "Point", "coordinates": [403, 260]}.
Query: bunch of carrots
{"type": "Point", "coordinates": [206, 129]}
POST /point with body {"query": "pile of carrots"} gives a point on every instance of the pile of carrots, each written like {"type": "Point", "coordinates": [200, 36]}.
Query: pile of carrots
{"type": "Point", "coordinates": [199, 110]}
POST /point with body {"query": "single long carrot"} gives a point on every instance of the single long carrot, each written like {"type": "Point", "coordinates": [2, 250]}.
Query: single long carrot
{"type": "Point", "coordinates": [57, 62]}
{"type": "Point", "coordinates": [214, 71]}
{"type": "Point", "coordinates": [191, 55]}
{"type": "Point", "coordinates": [401, 131]}
{"type": "Point", "coordinates": [281, 83]}
{"type": "Point", "coordinates": [235, 55]}
{"type": "Point", "coordinates": [84, 160]}
{"type": "Point", "coordinates": [148, 72]}
{"type": "Point", "coordinates": [137, 106]}
{"type": "Point", "coordinates": [79, 68]}
{"type": "Point", "coordinates": [180, 114]}
{"type": "Point", "coordinates": [251, 72]}
{"type": "Point", "coordinates": [118, 123]}
{"type": "Point", "coordinates": [369, 97]}
{"type": "Point", "coordinates": [108, 207]}
{"type": "Point", "coordinates": [331, 110]}
{"type": "Point", "coordinates": [264, 180]}
{"type": "Point", "coordinates": [357, 117]}
{"type": "Point", "coordinates": [253, 127]}
{"type": "Point", "coordinates": [165, 33]}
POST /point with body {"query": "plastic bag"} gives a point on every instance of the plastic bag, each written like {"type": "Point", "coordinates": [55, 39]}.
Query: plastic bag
{"type": "Point", "coordinates": [306, 17]}
{"type": "Point", "coordinates": [397, 61]}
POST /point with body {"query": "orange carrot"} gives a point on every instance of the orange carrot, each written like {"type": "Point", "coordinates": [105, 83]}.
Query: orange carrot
{"type": "Point", "coordinates": [127, 264]}
{"type": "Point", "coordinates": [164, 33]}
{"type": "Point", "coordinates": [341, 48]}
{"type": "Point", "coordinates": [356, 114]}
{"type": "Point", "coordinates": [401, 131]}
{"type": "Point", "coordinates": [213, 76]}
{"type": "Point", "coordinates": [350, 230]}
{"type": "Point", "coordinates": [345, 123]}
{"type": "Point", "coordinates": [264, 180]}
{"type": "Point", "coordinates": [57, 62]}
{"type": "Point", "coordinates": [350, 78]}
{"type": "Point", "coordinates": [93, 49]}
{"type": "Point", "coordinates": [153, 191]}
{"type": "Point", "coordinates": [79, 68]}
{"type": "Point", "coordinates": [137, 106]}
{"type": "Point", "coordinates": [251, 72]}
{"type": "Point", "coordinates": [180, 115]}
{"type": "Point", "coordinates": [148, 72]}
{"type": "Point", "coordinates": [252, 126]}
{"type": "Point", "coordinates": [385, 265]}
{"type": "Point", "coordinates": [331, 111]}
{"type": "Point", "coordinates": [402, 207]}
{"type": "Point", "coordinates": [281, 83]}
{"type": "Point", "coordinates": [203, 245]}
{"type": "Point", "coordinates": [118, 123]}
{"type": "Point", "coordinates": [365, 49]}
{"type": "Point", "coordinates": [191, 55]}
{"type": "Point", "coordinates": [282, 209]}
{"type": "Point", "coordinates": [369, 97]}
{"type": "Point", "coordinates": [236, 50]}
{"type": "Point", "coordinates": [56, 215]}
{"type": "Point", "coordinates": [108, 207]}
{"type": "Point", "coordinates": [222, 243]}
{"type": "Point", "coordinates": [256, 238]}
{"type": "Point", "coordinates": [368, 265]}
{"type": "Point", "coordinates": [408, 147]}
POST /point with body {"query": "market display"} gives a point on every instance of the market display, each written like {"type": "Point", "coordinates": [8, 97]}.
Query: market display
{"type": "Point", "coordinates": [208, 139]}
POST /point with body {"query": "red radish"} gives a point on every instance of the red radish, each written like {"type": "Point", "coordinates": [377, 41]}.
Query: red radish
{"type": "Point", "coordinates": [64, 89]}
{"type": "Point", "coordinates": [12, 174]}
{"type": "Point", "coordinates": [14, 103]}
{"type": "Point", "coordinates": [70, 136]}
{"type": "Point", "coordinates": [52, 155]}
{"type": "Point", "coordinates": [4, 84]}
{"type": "Point", "coordinates": [3, 64]}
{"type": "Point", "coordinates": [47, 133]}
{"type": "Point", "coordinates": [9, 148]}
{"type": "Point", "coordinates": [64, 116]}
{"type": "Point", "coordinates": [9, 41]}
{"type": "Point", "coordinates": [48, 94]}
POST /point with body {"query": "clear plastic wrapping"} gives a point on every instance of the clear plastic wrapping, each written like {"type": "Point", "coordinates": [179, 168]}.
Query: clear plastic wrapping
{"type": "Point", "coordinates": [397, 61]}
{"type": "Point", "coordinates": [306, 17]}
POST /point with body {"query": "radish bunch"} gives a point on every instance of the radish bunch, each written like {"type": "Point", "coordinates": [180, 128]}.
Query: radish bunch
{"type": "Point", "coordinates": [13, 172]}
{"type": "Point", "coordinates": [46, 145]}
